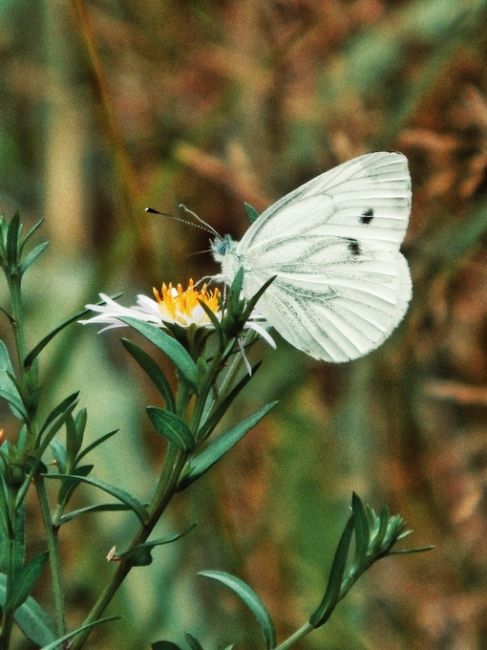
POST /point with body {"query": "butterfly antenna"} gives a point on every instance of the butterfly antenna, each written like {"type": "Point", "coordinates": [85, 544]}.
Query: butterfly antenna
{"type": "Point", "coordinates": [206, 227]}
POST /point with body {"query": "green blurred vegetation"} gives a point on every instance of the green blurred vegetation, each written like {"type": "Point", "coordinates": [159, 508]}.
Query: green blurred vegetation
{"type": "Point", "coordinates": [107, 107]}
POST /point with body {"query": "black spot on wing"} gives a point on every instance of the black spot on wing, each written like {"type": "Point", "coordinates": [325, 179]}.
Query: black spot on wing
{"type": "Point", "coordinates": [354, 246]}
{"type": "Point", "coordinates": [367, 216]}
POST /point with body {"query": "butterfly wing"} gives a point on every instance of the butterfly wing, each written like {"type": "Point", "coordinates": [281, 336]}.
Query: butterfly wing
{"type": "Point", "coordinates": [342, 285]}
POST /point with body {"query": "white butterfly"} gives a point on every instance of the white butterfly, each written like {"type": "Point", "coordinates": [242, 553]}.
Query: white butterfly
{"type": "Point", "coordinates": [341, 284]}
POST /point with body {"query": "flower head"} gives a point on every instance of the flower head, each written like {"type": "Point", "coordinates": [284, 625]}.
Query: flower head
{"type": "Point", "coordinates": [175, 307]}
{"type": "Point", "coordinates": [183, 306]}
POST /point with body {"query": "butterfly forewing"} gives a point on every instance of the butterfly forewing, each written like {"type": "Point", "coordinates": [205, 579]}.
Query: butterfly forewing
{"type": "Point", "coordinates": [368, 198]}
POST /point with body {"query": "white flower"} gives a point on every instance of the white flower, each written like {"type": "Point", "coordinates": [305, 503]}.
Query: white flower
{"type": "Point", "coordinates": [172, 306]}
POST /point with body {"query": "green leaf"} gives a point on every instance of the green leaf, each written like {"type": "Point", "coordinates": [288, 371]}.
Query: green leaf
{"type": "Point", "coordinates": [235, 291]}
{"type": "Point", "coordinates": [32, 619]}
{"type": "Point", "coordinates": [193, 643]}
{"type": "Point", "coordinates": [134, 504]}
{"type": "Point", "coordinates": [62, 411]}
{"type": "Point", "coordinates": [31, 232]}
{"type": "Point", "coordinates": [32, 255]}
{"type": "Point", "coordinates": [19, 544]}
{"type": "Point", "coordinates": [6, 370]}
{"type": "Point", "coordinates": [141, 555]}
{"type": "Point", "coordinates": [157, 376]}
{"type": "Point", "coordinates": [100, 507]}
{"type": "Point", "coordinates": [251, 212]}
{"type": "Point", "coordinates": [26, 580]}
{"type": "Point", "coordinates": [201, 463]}
{"type": "Point", "coordinates": [255, 298]}
{"type": "Point", "coordinates": [13, 240]}
{"type": "Point", "coordinates": [69, 485]}
{"type": "Point", "coordinates": [74, 440]}
{"type": "Point", "coordinates": [172, 427]}
{"type": "Point", "coordinates": [251, 599]}
{"type": "Point", "coordinates": [333, 588]}
{"type": "Point", "coordinates": [58, 451]}
{"type": "Point", "coordinates": [95, 443]}
{"type": "Point", "coordinates": [362, 532]}
{"type": "Point", "coordinates": [169, 346]}
{"type": "Point", "coordinates": [58, 643]}
{"type": "Point", "coordinates": [215, 416]}
{"type": "Point", "coordinates": [81, 419]}
{"type": "Point", "coordinates": [29, 359]}
{"type": "Point", "coordinates": [16, 405]}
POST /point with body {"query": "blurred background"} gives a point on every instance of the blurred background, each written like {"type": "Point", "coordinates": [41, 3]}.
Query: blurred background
{"type": "Point", "coordinates": [109, 106]}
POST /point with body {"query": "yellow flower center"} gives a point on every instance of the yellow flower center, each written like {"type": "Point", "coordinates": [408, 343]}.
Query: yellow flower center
{"type": "Point", "coordinates": [183, 306]}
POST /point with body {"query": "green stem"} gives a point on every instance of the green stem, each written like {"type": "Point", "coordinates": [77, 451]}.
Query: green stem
{"type": "Point", "coordinates": [17, 317]}
{"type": "Point", "coordinates": [54, 555]}
{"type": "Point", "coordinates": [296, 636]}
{"type": "Point", "coordinates": [166, 487]}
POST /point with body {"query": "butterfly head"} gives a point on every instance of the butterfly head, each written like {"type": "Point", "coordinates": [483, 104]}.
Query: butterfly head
{"type": "Point", "coordinates": [223, 246]}
{"type": "Point", "coordinates": [224, 251]}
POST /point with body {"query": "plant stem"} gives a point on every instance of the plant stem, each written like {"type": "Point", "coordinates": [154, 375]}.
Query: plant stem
{"type": "Point", "coordinates": [8, 615]}
{"type": "Point", "coordinates": [296, 636]}
{"type": "Point", "coordinates": [173, 464]}
{"type": "Point", "coordinates": [17, 317]}
{"type": "Point", "coordinates": [54, 555]}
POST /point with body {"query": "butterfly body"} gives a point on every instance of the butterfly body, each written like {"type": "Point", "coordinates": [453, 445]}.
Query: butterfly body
{"type": "Point", "coordinates": [341, 284]}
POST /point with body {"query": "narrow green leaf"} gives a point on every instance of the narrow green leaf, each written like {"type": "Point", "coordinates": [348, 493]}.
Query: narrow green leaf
{"type": "Point", "coordinates": [32, 255]}
{"type": "Point", "coordinates": [81, 419]}
{"type": "Point", "coordinates": [26, 580]}
{"type": "Point", "coordinates": [215, 322]}
{"type": "Point", "coordinates": [408, 551]}
{"type": "Point", "coordinates": [169, 346]}
{"type": "Point", "coordinates": [134, 504]}
{"type": "Point", "coordinates": [221, 408]}
{"type": "Point", "coordinates": [29, 359]}
{"type": "Point", "coordinates": [95, 444]}
{"type": "Point", "coordinates": [155, 373]}
{"type": "Point", "coordinates": [58, 451]}
{"type": "Point", "coordinates": [31, 232]}
{"type": "Point", "coordinates": [73, 440]}
{"type": "Point", "coordinates": [19, 537]}
{"type": "Point", "coordinates": [378, 539]}
{"type": "Point", "coordinates": [62, 409]}
{"type": "Point", "coordinates": [6, 369]}
{"type": "Point", "coordinates": [251, 212]}
{"type": "Point", "coordinates": [362, 532]}
{"type": "Point", "coordinates": [255, 298]}
{"type": "Point", "coordinates": [201, 463]}
{"type": "Point", "coordinates": [100, 507]}
{"type": "Point", "coordinates": [172, 427]}
{"type": "Point", "coordinates": [333, 588]}
{"type": "Point", "coordinates": [193, 643]}
{"type": "Point", "coordinates": [16, 405]}
{"type": "Point", "coordinates": [235, 291]}
{"type": "Point", "coordinates": [141, 555]}
{"type": "Point", "coordinates": [58, 643]}
{"type": "Point", "coordinates": [35, 622]}
{"type": "Point", "coordinates": [13, 240]}
{"type": "Point", "coordinates": [249, 598]}
{"type": "Point", "coordinates": [32, 619]}
{"type": "Point", "coordinates": [69, 485]}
